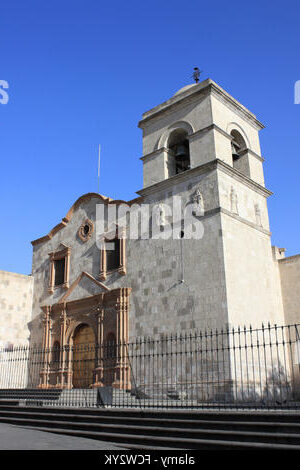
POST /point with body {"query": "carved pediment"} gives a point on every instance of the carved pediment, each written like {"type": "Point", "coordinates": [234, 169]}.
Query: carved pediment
{"type": "Point", "coordinates": [84, 285]}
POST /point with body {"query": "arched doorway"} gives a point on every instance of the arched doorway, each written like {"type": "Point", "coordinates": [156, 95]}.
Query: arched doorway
{"type": "Point", "coordinates": [83, 356]}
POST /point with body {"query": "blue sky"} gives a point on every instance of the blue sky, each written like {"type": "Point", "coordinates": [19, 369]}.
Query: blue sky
{"type": "Point", "coordinates": [83, 72]}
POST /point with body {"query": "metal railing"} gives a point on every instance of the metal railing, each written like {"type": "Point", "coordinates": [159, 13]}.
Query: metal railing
{"type": "Point", "coordinates": [231, 367]}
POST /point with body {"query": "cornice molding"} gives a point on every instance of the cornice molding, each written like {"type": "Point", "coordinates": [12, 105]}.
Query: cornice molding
{"type": "Point", "coordinates": [183, 99]}
{"type": "Point", "coordinates": [207, 129]}
{"type": "Point", "coordinates": [177, 179]}
{"type": "Point", "coordinates": [254, 154]}
{"type": "Point", "coordinates": [62, 250]}
{"type": "Point", "coordinates": [206, 87]}
{"type": "Point", "coordinates": [289, 259]}
{"type": "Point", "coordinates": [196, 134]}
{"type": "Point", "coordinates": [150, 155]}
{"type": "Point", "coordinates": [236, 105]}
{"type": "Point", "coordinates": [110, 298]}
{"type": "Point", "coordinates": [205, 168]}
{"type": "Point", "coordinates": [238, 176]}
{"type": "Point", "coordinates": [222, 210]}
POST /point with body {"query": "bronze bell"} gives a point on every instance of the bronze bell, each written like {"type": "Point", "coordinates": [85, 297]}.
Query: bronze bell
{"type": "Point", "coordinates": [234, 149]}
{"type": "Point", "coordinates": [181, 152]}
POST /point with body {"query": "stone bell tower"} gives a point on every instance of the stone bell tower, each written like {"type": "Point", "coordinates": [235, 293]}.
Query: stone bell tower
{"type": "Point", "coordinates": [215, 125]}
{"type": "Point", "coordinates": [204, 140]}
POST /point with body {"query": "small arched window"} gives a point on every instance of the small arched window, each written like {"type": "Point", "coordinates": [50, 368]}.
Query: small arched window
{"type": "Point", "coordinates": [238, 144]}
{"type": "Point", "coordinates": [178, 145]}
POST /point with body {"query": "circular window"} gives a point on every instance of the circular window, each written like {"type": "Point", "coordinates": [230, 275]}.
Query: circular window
{"type": "Point", "coordinates": [85, 230]}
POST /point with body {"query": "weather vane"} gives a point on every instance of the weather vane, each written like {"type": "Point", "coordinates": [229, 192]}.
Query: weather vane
{"type": "Point", "coordinates": [196, 74]}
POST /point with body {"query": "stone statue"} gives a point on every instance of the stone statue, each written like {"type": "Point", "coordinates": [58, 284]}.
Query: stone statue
{"type": "Point", "coordinates": [197, 200]}
{"type": "Point", "coordinates": [234, 201]}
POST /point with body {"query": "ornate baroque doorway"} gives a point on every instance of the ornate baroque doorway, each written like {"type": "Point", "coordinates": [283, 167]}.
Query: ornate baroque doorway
{"type": "Point", "coordinates": [83, 356]}
{"type": "Point", "coordinates": [92, 333]}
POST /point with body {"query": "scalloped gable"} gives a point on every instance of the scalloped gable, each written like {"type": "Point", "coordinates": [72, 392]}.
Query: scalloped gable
{"type": "Point", "coordinates": [68, 217]}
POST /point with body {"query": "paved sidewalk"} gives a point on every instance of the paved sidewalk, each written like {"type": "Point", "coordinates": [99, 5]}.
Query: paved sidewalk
{"type": "Point", "coordinates": [18, 438]}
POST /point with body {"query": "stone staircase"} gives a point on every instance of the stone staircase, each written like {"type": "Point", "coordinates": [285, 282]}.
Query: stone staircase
{"type": "Point", "coordinates": [35, 396]}
{"type": "Point", "coordinates": [96, 398]}
{"type": "Point", "coordinates": [165, 429]}
{"type": "Point", "coordinates": [111, 398]}
{"type": "Point", "coordinates": [91, 398]}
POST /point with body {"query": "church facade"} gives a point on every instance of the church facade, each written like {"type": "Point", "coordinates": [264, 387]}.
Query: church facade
{"type": "Point", "coordinates": [200, 147]}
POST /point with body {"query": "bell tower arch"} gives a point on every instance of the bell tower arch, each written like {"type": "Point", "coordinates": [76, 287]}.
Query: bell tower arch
{"type": "Point", "coordinates": [206, 120]}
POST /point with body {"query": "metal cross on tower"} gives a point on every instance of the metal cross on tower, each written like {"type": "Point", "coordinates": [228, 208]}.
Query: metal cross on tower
{"type": "Point", "coordinates": [196, 74]}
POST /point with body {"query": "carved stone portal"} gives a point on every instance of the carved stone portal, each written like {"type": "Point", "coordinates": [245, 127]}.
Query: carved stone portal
{"type": "Point", "coordinates": [103, 360]}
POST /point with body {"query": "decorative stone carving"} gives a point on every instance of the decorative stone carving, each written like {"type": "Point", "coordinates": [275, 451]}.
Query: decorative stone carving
{"type": "Point", "coordinates": [234, 201]}
{"type": "Point", "coordinates": [258, 214]}
{"type": "Point", "coordinates": [85, 230]}
{"type": "Point", "coordinates": [197, 200]}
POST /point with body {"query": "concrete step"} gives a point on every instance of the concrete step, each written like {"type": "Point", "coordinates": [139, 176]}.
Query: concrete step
{"type": "Point", "coordinates": [158, 431]}
{"type": "Point", "coordinates": [269, 427]}
{"type": "Point", "coordinates": [50, 394]}
{"type": "Point", "coordinates": [88, 398]}
{"type": "Point", "coordinates": [254, 416]}
{"type": "Point", "coordinates": [154, 442]}
{"type": "Point", "coordinates": [165, 429]}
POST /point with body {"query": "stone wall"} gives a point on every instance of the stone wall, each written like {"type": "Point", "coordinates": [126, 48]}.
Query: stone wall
{"type": "Point", "coordinates": [159, 302]}
{"type": "Point", "coordinates": [15, 308]}
{"type": "Point", "coordinates": [252, 279]}
{"type": "Point", "coordinates": [289, 269]}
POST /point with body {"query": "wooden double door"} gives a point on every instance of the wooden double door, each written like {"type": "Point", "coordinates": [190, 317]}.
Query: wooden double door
{"type": "Point", "coordinates": [84, 356]}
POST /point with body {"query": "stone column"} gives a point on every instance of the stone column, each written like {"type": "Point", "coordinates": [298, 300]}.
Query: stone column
{"type": "Point", "coordinates": [122, 373]}
{"type": "Point", "coordinates": [99, 364]}
{"type": "Point", "coordinates": [44, 374]}
{"type": "Point", "coordinates": [63, 369]}
{"type": "Point", "coordinates": [122, 268]}
{"type": "Point", "coordinates": [126, 365]}
{"type": "Point", "coordinates": [117, 382]}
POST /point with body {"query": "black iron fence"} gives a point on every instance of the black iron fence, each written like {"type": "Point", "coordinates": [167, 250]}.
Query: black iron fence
{"type": "Point", "coordinates": [232, 367]}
